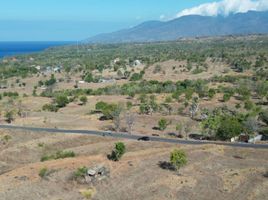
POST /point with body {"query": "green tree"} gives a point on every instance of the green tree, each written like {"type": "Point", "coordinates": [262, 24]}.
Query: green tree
{"type": "Point", "coordinates": [229, 127]}
{"type": "Point", "coordinates": [178, 158]}
{"type": "Point", "coordinates": [211, 93]}
{"type": "Point", "coordinates": [118, 151]}
{"type": "Point", "coordinates": [83, 99]}
{"type": "Point", "coordinates": [89, 78]}
{"type": "Point", "coordinates": [61, 101]}
{"type": "Point", "coordinates": [162, 124]}
{"type": "Point", "coordinates": [9, 115]}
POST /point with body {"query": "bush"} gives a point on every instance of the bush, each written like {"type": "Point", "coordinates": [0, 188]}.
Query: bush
{"type": "Point", "coordinates": [108, 110]}
{"type": "Point", "coordinates": [9, 115]}
{"type": "Point", "coordinates": [88, 193]}
{"type": "Point", "coordinates": [58, 155]}
{"type": "Point", "coordinates": [80, 172]}
{"type": "Point", "coordinates": [211, 93]}
{"type": "Point", "coordinates": [162, 124]}
{"type": "Point", "coordinates": [83, 99]}
{"type": "Point", "coordinates": [118, 151]}
{"type": "Point", "coordinates": [178, 159]}
{"type": "Point", "coordinates": [61, 101]}
{"type": "Point", "coordinates": [229, 127]}
{"type": "Point", "coordinates": [136, 76]}
{"type": "Point", "coordinates": [89, 78]}
{"type": "Point", "coordinates": [226, 97]}
{"type": "Point", "coordinates": [264, 116]}
{"type": "Point", "coordinates": [50, 108]}
{"type": "Point", "coordinates": [43, 172]}
{"type": "Point", "coordinates": [51, 81]}
{"type": "Point", "coordinates": [249, 105]}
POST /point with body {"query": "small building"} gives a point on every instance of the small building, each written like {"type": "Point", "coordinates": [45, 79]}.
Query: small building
{"type": "Point", "coordinates": [107, 80]}
{"type": "Point", "coordinates": [117, 60]}
{"type": "Point", "coordinates": [38, 67]}
{"type": "Point", "coordinates": [57, 69]}
{"type": "Point", "coordinates": [137, 63]}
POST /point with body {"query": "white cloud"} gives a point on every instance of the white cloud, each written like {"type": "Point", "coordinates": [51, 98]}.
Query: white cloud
{"type": "Point", "coordinates": [162, 17]}
{"type": "Point", "coordinates": [226, 7]}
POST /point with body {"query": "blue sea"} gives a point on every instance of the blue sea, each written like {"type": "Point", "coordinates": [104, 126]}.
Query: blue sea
{"type": "Point", "coordinates": [17, 48]}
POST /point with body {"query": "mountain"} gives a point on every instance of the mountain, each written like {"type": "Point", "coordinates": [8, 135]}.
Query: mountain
{"type": "Point", "coordinates": [251, 22]}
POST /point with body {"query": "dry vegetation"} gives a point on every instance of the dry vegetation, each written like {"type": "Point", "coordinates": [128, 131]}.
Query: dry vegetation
{"type": "Point", "coordinates": [160, 89]}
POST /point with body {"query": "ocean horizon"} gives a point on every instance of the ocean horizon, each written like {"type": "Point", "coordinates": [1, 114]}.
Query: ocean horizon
{"type": "Point", "coordinates": [19, 48]}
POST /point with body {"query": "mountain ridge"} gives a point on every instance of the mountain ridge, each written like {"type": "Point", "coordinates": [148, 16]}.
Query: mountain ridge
{"type": "Point", "coordinates": [252, 22]}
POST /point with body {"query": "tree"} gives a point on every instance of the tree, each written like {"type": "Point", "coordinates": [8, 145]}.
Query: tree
{"type": "Point", "coordinates": [193, 109]}
{"type": "Point", "coordinates": [116, 117]}
{"type": "Point", "coordinates": [264, 116]}
{"type": "Point", "coordinates": [178, 158]}
{"type": "Point", "coordinates": [89, 78]}
{"type": "Point", "coordinates": [251, 125]}
{"type": "Point", "coordinates": [118, 151]}
{"type": "Point", "coordinates": [226, 97]}
{"type": "Point", "coordinates": [61, 101]}
{"type": "Point", "coordinates": [211, 93]}
{"type": "Point", "coordinates": [179, 128]}
{"type": "Point", "coordinates": [229, 127]}
{"type": "Point", "coordinates": [162, 124]}
{"type": "Point", "coordinates": [83, 99]}
{"type": "Point", "coordinates": [129, 121]}
{"type": "Point", "coordinates": [51, 81]}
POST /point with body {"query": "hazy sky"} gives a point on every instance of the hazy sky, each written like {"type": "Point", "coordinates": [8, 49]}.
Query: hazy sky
{"type": "Point", "coordinates": [29, 20]}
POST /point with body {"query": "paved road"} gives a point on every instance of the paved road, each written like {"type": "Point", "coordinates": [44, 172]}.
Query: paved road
{"type": "Point", "coordinates": [133, 137]}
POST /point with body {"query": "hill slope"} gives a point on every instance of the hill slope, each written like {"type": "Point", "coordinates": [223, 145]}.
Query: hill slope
{"type": "Point", "coordinates": [189, 26]}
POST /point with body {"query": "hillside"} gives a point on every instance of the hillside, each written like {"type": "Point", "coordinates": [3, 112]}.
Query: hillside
{"type": "Point", "coordinates": [213, 89]}
{"type": "Point", "coordinates": [189, 26]}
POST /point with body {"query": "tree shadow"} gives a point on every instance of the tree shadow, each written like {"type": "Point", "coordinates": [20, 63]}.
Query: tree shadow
{"type": "Point", "coordinates": [166, 165]}
{"type": "Point", "coordinates": [265, 174]}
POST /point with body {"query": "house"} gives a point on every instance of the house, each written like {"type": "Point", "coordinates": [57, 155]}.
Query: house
{"type": "Point", "coordinates": [136, 63]}
{"type": "Point", "coordinates": [117, 60]}
{"type": "Point", "coordinates": [38, 67]}
{"type": "Point", "coordinates": [57, 69]}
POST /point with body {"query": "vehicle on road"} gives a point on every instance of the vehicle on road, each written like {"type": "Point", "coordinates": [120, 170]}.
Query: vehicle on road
{"type": "Point", "coordinates": [145, 138]}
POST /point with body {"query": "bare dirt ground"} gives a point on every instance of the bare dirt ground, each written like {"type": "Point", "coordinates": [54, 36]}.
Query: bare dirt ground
{"type": "Point", "coordinates": [212, 172]}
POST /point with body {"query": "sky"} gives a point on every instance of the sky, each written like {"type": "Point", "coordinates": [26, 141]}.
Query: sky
{"type": "Point", "coordinates": [71, 20]}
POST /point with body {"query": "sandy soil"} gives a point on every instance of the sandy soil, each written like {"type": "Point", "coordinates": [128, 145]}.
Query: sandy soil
{"type": "Point", "coordinates": [212, 171]}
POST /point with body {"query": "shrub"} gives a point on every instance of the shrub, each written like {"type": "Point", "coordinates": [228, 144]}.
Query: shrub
{"type": "Point", "coordinates": [88, 194]}
{"type": "Point", "coordinates": [89, 78]}
{"type": "Point", "coordinates": [61, 101]}
{"type": "Point", "coordinates": [101, 105]}
{"type": "Point", "coordinates": [43, 172]}
{"type": "Point", "coordinates": [80, 172]}
{"type": "Point", "coordinates": [157, 69]}
{"type": "Point", "coordinates": [211, 93]}
{"type": "Point", "coordinates": [50, 108]}
{"type": "Point", "coordinates": [178, 159]}
{"type": "Point", "coordinates": [118, 151]}
{"type": "Point", "coordinates": [109, 111]}
{"type": "Point", "coordinates": [9, 115]}
{"type": "Point", "coordinates": [58, 155]}
{"type": "Point", "coordinates": [83, 99]}
{"type": "Point", "coordinates": [226, 97]}
{"type": "Point", "coordinates": [249, 105]}
{"type": "Point", "coordinates": [136, 76]}
{"type": "Point", "coordinates": [162, 124]}
{"type": "Point", "coordinates": [51, 81]}
{"type": "Point", "coordinates": [264, 116]}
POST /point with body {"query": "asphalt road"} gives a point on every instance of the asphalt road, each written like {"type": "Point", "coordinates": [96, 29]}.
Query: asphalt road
{"type": "Point", "coordinates": [133, 137]}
